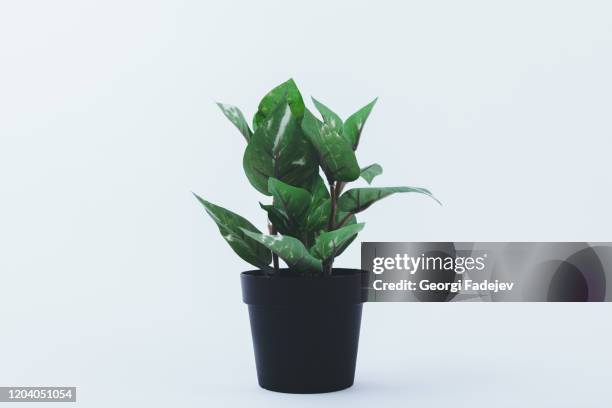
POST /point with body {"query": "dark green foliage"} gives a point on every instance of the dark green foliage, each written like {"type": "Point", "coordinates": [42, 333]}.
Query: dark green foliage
{"type": "Point", "coordinates": [279, 149]}
{"type": "Point", "coordinates": [309, 222]}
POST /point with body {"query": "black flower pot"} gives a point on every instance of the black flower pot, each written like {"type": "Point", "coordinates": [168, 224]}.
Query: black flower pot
{"type": "Point", "coordinates": [305, 329]}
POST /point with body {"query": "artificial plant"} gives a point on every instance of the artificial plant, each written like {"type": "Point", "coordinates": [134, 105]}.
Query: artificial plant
{"type": "Point", "coordinates": [311, 219]}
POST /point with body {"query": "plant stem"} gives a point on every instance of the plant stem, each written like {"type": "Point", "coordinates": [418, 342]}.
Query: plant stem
{"type": "Point", "coordinates": [340, 187]}
{"type": "Point", "coordinates": [332, 212]}
{"type": "Point", "coordinates": [275, 260]}
{"type": "Point", "coordinates": [274, 256]}
{"type": "Point", "coordinates": [334, 191]}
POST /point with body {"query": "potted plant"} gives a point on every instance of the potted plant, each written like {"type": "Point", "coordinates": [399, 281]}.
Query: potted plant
{"type": "Point", "coordinates": [305, 318]}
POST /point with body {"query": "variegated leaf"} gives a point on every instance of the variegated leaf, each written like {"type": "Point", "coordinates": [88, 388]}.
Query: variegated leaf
{"type": "Point", "coordinates": [358, 199]}
{"type": "Point", "coordinates": [237, 118]}
{"type": "Point", "coordinates": [232, 227]}
{"type": "Point", "coordinates": [279, 149]}
{"type": "Point", "coordinates": [335, 154]}
{"type": "Point", "coordinates": [354, 124]}
{"type": "Point", "coordinates": [368, 173]}
{"type": "Point", "coordinates": [290, 250]}
{"type": "Point", "coordinates": [328, 243]}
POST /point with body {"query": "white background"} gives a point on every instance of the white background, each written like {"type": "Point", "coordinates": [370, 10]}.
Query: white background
{"type": "Point", "coordinates": [114, 279]}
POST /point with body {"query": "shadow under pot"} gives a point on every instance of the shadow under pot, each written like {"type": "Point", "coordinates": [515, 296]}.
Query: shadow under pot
{"type": "Point", "coordinates": [305, 329]}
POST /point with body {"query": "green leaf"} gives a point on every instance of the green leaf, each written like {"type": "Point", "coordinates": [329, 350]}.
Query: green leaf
{"type": "Point", "coordinates": [232, 227]}
{"type": "Point", "coordinates": [335, 154]}
{"type": "Point", "coordinates": [352, 220]}
{"type": "Point", "coordinates": [328, 243]}
{"type": "Point", "coordinates": [318, 191]}
{"type": "Point", "coordinates": [290, 249]}
{"type": "Point", "coordinates": [288, 93]}
{"type": "Point", "coordinates": [237, 118]}
{"type": "Point", "coordinates": [358, 199]}
{"type": "Point", "coordinates": [318, 216]}
{"type": "Point", "coordinates": [368, 173]}
{"type": "Point", "coordinates": [279, 149]}
{"type": "Point", "coordinates": [293, 201]}
{"type": "Point", "coordinates": [278, 218]}
{"type": "Point", "coordinates": [318, 210]}
{"type": "Point", "coordinates": [354, 124]}
{"type": "Point", "coordinates": [329, 116]}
